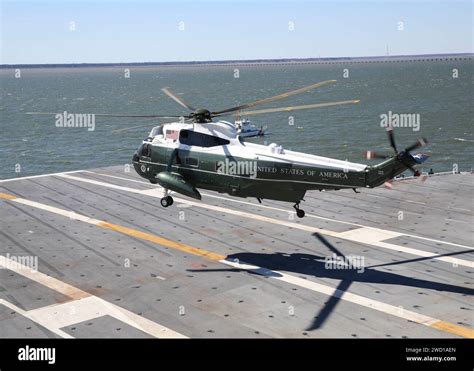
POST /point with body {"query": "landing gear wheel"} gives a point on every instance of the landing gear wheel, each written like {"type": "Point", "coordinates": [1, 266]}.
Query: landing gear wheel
{"type": "Point", "coordinates": [166, 201]}
{"type": "Point", "coordinates": [300, 213]}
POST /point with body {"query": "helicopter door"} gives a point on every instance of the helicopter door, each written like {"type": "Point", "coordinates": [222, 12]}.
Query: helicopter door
{"type": "Point", "coordinates": [174, 155]}
{"type": "Point", "coordinates": [168, 155]}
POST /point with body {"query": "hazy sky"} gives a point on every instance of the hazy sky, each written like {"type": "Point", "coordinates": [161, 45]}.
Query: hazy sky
{"type": "Point", "coordinates": [140, 31]}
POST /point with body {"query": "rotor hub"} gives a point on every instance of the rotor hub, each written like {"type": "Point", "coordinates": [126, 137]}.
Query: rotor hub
{"type": "Point", "coordinates": [202, 115]}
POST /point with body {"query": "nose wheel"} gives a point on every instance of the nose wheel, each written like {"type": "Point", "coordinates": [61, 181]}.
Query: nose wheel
{"type": "Point", "coordinates": [299, 212]}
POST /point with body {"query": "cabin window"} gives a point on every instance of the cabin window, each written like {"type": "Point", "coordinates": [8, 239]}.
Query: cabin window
{"type": "Point", "coordinates": [193, 138]}
{"type": "Point", "coordinates": [191, 161]}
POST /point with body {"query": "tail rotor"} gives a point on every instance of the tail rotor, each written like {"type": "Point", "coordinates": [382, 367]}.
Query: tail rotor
{"type": "Point", "coordinates": [405, 157]}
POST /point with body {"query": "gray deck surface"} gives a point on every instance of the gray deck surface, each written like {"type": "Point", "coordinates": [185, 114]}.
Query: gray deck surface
{"type": "Point", "coordinates": [194, 296]}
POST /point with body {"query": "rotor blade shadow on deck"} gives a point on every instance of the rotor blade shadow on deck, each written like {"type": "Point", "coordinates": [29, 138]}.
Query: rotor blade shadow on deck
{"type": "Point", "coordinates": [330, 305]}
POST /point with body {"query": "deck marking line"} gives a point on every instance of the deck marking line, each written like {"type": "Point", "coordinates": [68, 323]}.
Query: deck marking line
{"type": "Point", "coordinates": [84, 306]}
{"type": "Point", "coordinates": [48, 281]}
{"type": "Point", "coordinates": [357, 299]}
{"type": "Point", "coordinates": [289, 211]}
{"type": "Point", "coordinates": [6, 196]}
{"type": "Point", "coordinates": [288, 278]}
{"type": "Point", "coordinates": [162, 241]}
{"type": "Point", "coordinates": [453, 329]}
{"type": "Point", "coordinates": [26, 314]}
{"type": "Point", "coordinates": [362, 235]}
{"type": "Point", "coordinates": [40, 176]}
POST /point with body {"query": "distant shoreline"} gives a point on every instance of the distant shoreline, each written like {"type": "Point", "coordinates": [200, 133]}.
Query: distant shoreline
{"type": "Point", "coordinates": [257, 62]}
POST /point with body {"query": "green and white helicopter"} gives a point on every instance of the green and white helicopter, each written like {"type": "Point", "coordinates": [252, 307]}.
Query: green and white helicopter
{"type": "Point", "coordinates": [196, 152]}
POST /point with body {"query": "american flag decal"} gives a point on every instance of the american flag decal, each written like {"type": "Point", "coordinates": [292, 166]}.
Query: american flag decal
{"type": "Point", "coordinates": [172, 134]}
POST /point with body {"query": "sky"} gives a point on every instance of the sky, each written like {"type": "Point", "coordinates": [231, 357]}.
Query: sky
{"type": "Point", "coordinates": [114, 31]}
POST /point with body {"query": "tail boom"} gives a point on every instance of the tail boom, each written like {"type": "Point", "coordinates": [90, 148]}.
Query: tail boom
{"type": "Point", "coordinates": [388, 169]}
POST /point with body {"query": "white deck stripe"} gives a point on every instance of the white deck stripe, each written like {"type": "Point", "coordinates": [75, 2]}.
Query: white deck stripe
{"type": "Point", "coordinates": [39, 176]}
{"type": "Point", "coordinates": [307, 214]}
{"type": "Point", "coordinates": [70, 214]}
{"type": "Point", "coordinates": [369, 236]}
{"type": "Point", "coordinates": [26, 314]}
{"type": "Point", "coordinates": [67, 314]}
{"type": "Point", "coordinates": [249, 203]}
{"type": "Point", "coordinates": [51, 316]}
{"type": "Point", "coordinates": [83, 305]}
{"type": "Point", "coordinates": [347, 296]}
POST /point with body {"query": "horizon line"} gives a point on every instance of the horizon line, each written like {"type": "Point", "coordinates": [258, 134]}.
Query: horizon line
{"type": "Point", "coordinates": [380, 58]}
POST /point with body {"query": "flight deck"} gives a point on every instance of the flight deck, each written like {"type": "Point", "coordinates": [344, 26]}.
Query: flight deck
{"type": "Point", "coordinates": [92, 254]}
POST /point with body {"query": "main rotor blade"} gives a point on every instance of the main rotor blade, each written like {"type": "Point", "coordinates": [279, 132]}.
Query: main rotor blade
{"type": "Point", "coordinates": [294, 108]}
{"type": "Point", "coordinates": [177, 99]}
{"type": "Point", "coordinates": [391, 137]}
{"type": "Point", "coordinates": [108, 115]}
{"type": "Point", "coordinates": [142, 126]}
{"type": "Point", "coordinates": [130, 128]}
{"type": "Point", "coordinates": [274, 98]}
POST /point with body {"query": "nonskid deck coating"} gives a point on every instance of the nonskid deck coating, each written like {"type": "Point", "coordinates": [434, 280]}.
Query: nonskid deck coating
{"type": "Point", "coordinates": [113, 263]}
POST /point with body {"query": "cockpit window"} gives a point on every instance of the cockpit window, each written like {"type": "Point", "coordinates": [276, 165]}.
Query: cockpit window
{"type": "Point", "coordinates": [193, 138]}
{"type": "Point", "coordinates": [157, 130]}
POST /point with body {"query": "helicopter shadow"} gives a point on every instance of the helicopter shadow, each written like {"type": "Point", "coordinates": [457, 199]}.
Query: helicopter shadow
{"type": "Point", "coordinates": [314, 265]}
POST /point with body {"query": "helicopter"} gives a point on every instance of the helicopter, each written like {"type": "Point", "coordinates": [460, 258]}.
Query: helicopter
{"type": "Point", "coordinates": [195, 152]}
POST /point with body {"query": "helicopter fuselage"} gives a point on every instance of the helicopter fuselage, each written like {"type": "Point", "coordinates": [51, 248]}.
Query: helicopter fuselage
{"type": "Point", "coordinates": [200, 153]}
{"type": "Point", "coordinates": [213, 157]}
